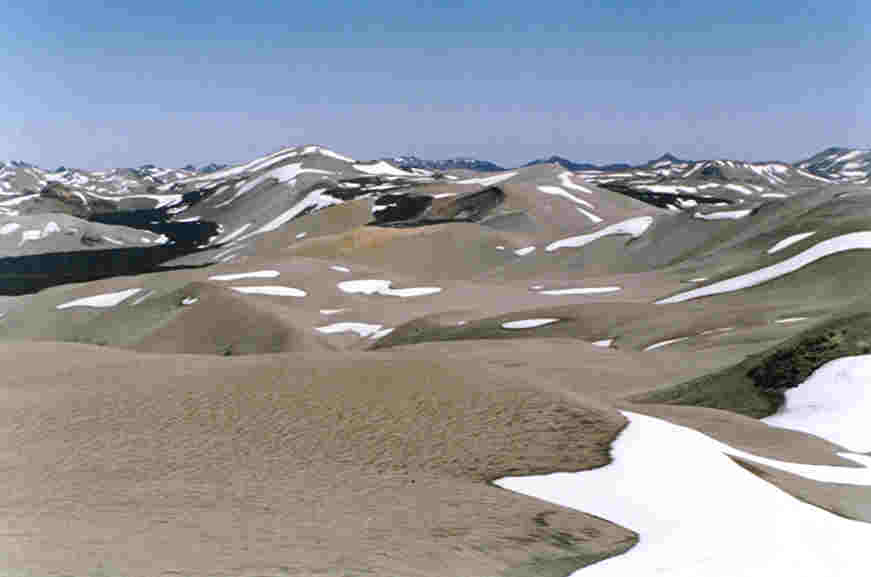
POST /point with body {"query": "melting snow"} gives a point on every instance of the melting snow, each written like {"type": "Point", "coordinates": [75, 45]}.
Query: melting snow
{"type": "Point", "coordinates": [338, 268]}
{"type": "Point", "coordinates": [301, 235]}
{"type": "Point", "coordinates": [557, 191]}
{"type": "Point", "coordinates": [255, 274]}
{"type": "Point", "coordinates": [634, 227]}
{"type": "Point", "coordinates": [789, 241]}
{"type": "Point", "coordinates": [582, 291]}
{"type": "Point", "coordinates": [332, 311]}
{"type": "Point", "coordinates": [664, 343]}
{"type": "Point", "coordinates": [833, 403]}
{"type": "Point", "coordinates": [9, 228]}
{"type": "Point", "coordinates": [566, 181]}
{"type": "Point", "coordinates": [274, 290]}
{"type": "Point", "coordinates": [189, 300]}
{"type": "Point", "coordinates": [488, 180]}
{"type": "Point", "coordinates": [790, 320]}
{"type": "Point", "coordinates": [524, 251]}
{"type": "Point", "coordinates": [362, 329]}
{"type": "Point", "coordinates": [102, 300]}
{"type": "Point", "coordinates": [742, 189]}
{"type": "Point", "coordinates": [382, 287]}
{"type": "Point", "coordinates": [528, 323]}
{"type": "Point", "coordinates": [699, 513]}
{"type": "Point", "coordinates": [382, 333]}
{"type": "Point", "coordinates": [235, 233]}
{"type": "Point", "coordinates": [381, 168]}
{"type": "Point", "coordinates": [852, 241]}
{"type": "Point", "coordinates": [604, 343]}
{"type": "Point", "coordinates": [723, 215]}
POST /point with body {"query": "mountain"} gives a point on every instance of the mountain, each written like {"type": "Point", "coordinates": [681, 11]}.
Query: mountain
{"type": "Point", "coordinates": [665, 159]}
{"type": "Point", "coordinates": [195, 362]}
{"type": "Point", "coordinates": [576, 167]}
{"type": "Point", "coordinates": [412, 162]}
{"type": "Point", "coordinates": [841, 164]}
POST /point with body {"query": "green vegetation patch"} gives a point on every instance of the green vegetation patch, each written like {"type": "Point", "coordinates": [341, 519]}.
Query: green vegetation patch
{"type": "Point", "coordinates": [755, 387]}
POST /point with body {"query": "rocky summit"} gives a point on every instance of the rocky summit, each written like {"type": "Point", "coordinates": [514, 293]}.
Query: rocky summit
{"type": "Point", "coordinates": [309, 364]}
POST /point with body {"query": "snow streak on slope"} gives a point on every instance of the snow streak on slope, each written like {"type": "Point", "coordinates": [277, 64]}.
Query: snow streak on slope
{"type": "Point", "coordinates": [852, 241]}
{"type": "Point", "coordinates": [633, 227]}
{"type": "Point", "coordinates": [700, 514]}
{"type": "Point", "coordinates": [789, 241]}
{"type": "Point", "coordinates": [104, 300]}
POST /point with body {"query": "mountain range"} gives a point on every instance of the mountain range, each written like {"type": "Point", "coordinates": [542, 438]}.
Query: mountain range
{"type": "Point", "coordinates": [309, 364]}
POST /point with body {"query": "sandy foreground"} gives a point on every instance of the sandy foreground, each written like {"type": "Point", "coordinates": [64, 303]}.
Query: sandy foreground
{"type": "Point", "coordinates": [370, 462]}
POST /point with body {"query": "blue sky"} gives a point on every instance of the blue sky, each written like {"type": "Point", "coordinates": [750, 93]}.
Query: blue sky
{"type": "Point", "coordinates": [100, 84]}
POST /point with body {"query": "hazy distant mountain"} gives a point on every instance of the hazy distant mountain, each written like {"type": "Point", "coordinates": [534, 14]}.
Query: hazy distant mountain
{"type": "Point", "coordinates": [667, 158]}
{"type": "Point", "coordinates": [460, 163]}
{"type": "Point", "coordinates": [576, 167]}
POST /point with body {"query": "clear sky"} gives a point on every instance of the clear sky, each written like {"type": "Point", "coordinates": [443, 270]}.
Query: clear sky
{"type": "Point", "coordinates": [98, 84]}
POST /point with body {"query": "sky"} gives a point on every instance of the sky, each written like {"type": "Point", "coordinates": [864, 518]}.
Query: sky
{"type": "Point", "coordinates": [105, 84]}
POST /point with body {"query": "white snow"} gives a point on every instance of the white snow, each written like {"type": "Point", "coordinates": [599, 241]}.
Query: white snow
{"type": "Point", "coordinates": [235, 233]}
{"type": "Point", "coordinates": [528, 323]}
{"type": "Point", "coordinates": [595, 218]}
{"type": "Point", "coordinates": [582, 291]}
{"type": "Point", "coordinates": [274, 290]}
{"type": "Point", "coordinates": [687, 202]}
{"type": "Point", "coordinates": [700, 514]}
{"type": "Point", "coordinates": [723, 215]}
{"type": "Point", "coordinates": [189, 300]}
{"type": "Point", "coordinates": [102, 300]}
{"type": "Point", "coordinates": [381, 168]}
{"type": "Point", "coordinates": [382, 287]}
{"type": "Point", "coordinates": [9, 228]}
{"type": "Point", "coordinates": [315, 199]}
{"type": "Point", "coordinates": [557, 191]}
{"type": "Point", "coordinates": [774, 195]}
{"type": "Point", "coordinates": [362, 329]}
{"type": "Point", "coordinates": [833, 403]}
{"type": "Point", "coordinates": [524, 251]}
{"type": "Point", "coordinates": [382, 333]}
{"type": "Point", "coordinates": [790, 320]}
{"type": "Point", "coordinates": [789, 241]}
{"type": "Point", "coordinates": [633, 227]}
{"type": "Point", "coordinates": [301, 235]}
{"type": "Point", "coordinates": [18, 200]}
{"type": "Point", "coordinates": [338, 268]}
{"type": "Point", "coordinates": [566, 180]}
{"type": "Point", "coordinates": [604, 343]}
{"type": "Point", "coordinates": [664, 343]}
{"type": "Point", "coordinates": [717, 331]}
{"type": "Point", "coordinates": [488, 180]}
{"type": "Point", "coordinates": [742, 189]}
{"type": "Point", "coordinates": [812, 176]}
{"type": "Point", "coordinates": [500, 247]}
{"type": "Point", "coordinates": [112, 240]}
{"type": "Point", "coordinates": [142, 297]}
{"type": "Point", "coordinates": [844, 242]}
{"type": "Point", "coordinates": [329, 312]}
{"type": "Point", "coordinates": [255, 274]}
{"type": "Point", "coordinates": [330, 153]}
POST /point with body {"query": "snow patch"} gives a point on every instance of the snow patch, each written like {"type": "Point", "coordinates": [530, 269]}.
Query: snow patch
{"type": "Point", "coordinates": [633, 227]}
{"type": "Point", "coordinates": [528, 323]}
{"type": "Point", "coordinates": [273, 290]}
{"type": "Point", "coordinates": [104, 300]}
{"type": "Point", "coordinates": [845, 242]}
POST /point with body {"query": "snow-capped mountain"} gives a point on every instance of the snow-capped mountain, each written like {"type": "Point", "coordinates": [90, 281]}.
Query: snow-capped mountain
{"type": "Point", "coordinates": [460, 163]}
{"type": "Point", "coordinates": [840, 164]}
